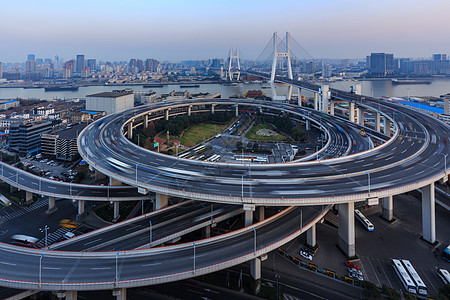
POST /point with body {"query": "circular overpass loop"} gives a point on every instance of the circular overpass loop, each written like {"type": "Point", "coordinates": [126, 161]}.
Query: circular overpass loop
{"type": "Point", "coordinates": [413, 151]}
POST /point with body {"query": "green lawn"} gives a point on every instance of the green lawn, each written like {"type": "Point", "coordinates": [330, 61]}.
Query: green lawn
{"type": "Point", "coordinates": [251, 134]}
{"type": "Point", "coordinates": [197, 133]}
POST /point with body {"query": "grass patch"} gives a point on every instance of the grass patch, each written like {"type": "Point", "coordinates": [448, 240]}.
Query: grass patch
{"type": "Point", "coordinates": [251, 134]}
{"type": "Point", "coordinates": [198, 133]}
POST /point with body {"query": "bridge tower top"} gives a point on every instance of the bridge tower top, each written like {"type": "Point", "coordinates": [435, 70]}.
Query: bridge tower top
{"type": "Point", "coordinates": [286, 54]}
{"type": "Point", "coordinates": [231, 72]}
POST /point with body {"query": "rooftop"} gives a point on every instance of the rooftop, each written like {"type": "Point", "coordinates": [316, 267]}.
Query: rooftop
{"type": "Point", "coordinates": [111, 94]}
{"type": "Point", "coordinates": [423, 106]}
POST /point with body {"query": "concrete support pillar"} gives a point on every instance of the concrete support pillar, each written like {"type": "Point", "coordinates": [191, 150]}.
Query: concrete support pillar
{"type": "Point", "coordinates": [316, 100]}
{"type": "Point", "coordinates": [51, 205]}
{"type": "Point", "coordinates": [71, 295]}
{"type": "Point", "coordinates": [99, 175]}
{"type": "Point", "coordinates": [377, 121]}
{"type": "Point", "coordinates": [80, 207]}
{"type": "Point", "coordinates": [189, 110]}
{"type": "Point", "coordinates": [116, 210]}
{"type": "Point", "coordinates": [347, 228]}
{"type": "Point", "coordinates": [308, 125]}
{"type": "Point", "coordinates": [248, 215]}
{"type": "Point", "coordinates": [237, 110]}
{"type": "Point", "coordinates": [299, 102]}
{"type": "Point", "coordinates": [387, 126]}
{"type": "Point", "coordinates": [113, 181]}
{"type": "Point", "coordinates": [166, 114]}
{"type": "Point", "coordinates": [161, 201]}
{"type": "Point", "coordinates": [120, 294]}
{"type": "Point", "coordinates": [259, 213]}
{"type": "Point", "coordinates": [332, 107]}
{"type": "Point", "coordinates": [212, 108]}
{"type": "Point", "coordinates": [388, 208]}
{"type": "Point", "coordinates": [311, 236]}
{"type": "Point", "coordinates": [361, 116]}
{"type": "Point", "coordinates": [428, 214]}
{"type": "Point", "coordinates": [207, 232]}
{"type": "Point", "coordinates": [255, 272]}
{"type": "Point", "coordinates": [351, 112]}
{"type": "Point", "coordinates": [28, 197]}
{"type": "Point", "coordinates": [130, 130]}
{"type": "Point", "coordinates": [145, 121]}
{"type": "Point", "coordinates": [289, 95]}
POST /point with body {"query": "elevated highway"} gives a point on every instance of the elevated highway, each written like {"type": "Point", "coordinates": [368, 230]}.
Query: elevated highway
{"type": "Point", "coordinates": [410, 159]}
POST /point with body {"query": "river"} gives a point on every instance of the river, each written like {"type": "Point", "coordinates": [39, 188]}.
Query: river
{"type": "Point", "coordinates": [377, 88]}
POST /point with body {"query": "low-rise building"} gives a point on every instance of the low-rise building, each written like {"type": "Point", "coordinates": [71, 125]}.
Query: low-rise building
{"type": "Point", "coordinates": [110, 102]}
{"type": "Point", "coordinates": [62, 145]}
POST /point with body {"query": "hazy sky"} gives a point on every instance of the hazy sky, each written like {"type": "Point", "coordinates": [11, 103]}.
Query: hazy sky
{"type": "Point", "coordinates": [188, 29]}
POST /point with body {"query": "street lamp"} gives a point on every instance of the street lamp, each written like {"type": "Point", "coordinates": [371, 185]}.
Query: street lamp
{"type": "Point", "coordinates": [254, 231]}
{"type": "Point", "coordinates": [137, 172]}
{"type": "Point", "coordinates": [194, 258]}
{"type": "Point", "coordinates": [46, 229]}
{"type": "Point", "coordinates": [368, 180]}
{"type": "Point", "coordinates": [301, 218]}
{"type": "Point", "coordinates": [445, 162]}
{"type": "Point", "coordinates": [40, 269]}
{"type": "Point", "coordinates": [151, 235]}
{"type": "Point", "coordinates": [277, 277]}
{"type": "Point", "coordinates": [117, 269]}
{"type": "Point", "coordinates": [242, 188]}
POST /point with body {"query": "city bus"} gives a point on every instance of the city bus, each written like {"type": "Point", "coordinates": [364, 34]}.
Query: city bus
{"type": "Point", "coordinates": [420, 285]}
{"type": "Point", "coordinates": [444, 275]}
{"type": "Point", "coordinates": [4, 200]}
{"type": "Point", "coordinates": [446, 254]}
{"type": "Point", "coordinates": [363, 220]}
{"type": "Point", "coordinates": [404, 277]}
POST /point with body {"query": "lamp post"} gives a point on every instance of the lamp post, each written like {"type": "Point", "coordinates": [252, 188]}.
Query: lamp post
{"type": "Point", "coordinates": [117, 269]}
{"type": "Point", "coordinates": [277, 277]}
{"type": "Point", "coordinates": [151, 234]}
{"type": "Point", "coordinates": [137, 172]}
{"type": "Point", "coordinates": [194, 258]}
{"type": "Point", "coordinates": [40, 269]}
{"type": "Point", "coordinates": [254, 231]}
{"type": "Point", "coordinates": [301, 218]}
{"type": "Point", "coordinates": [242, 188]}
{"type": "Point", "coordinates": [445, 162]}
{"type": "Point", "coordinates": [368, 180]}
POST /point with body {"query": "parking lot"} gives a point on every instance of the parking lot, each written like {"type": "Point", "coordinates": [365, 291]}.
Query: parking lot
{"type": "Point", "coordinates": [375, 249]}
{"type": "Point", "coordinates": [52, 169]}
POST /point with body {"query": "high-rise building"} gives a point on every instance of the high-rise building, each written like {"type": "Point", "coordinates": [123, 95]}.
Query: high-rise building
{"type": "Point", "coordinates": [67, 69]}
{"type": "Point", "coordinates": [151, 65]}
{"type": "Point", "coordinates": [31, 57]}
{"type": "Point", "coordinates": [92, 64]}
{"type": "Point", "coordinates": [30, 66]}
{"type": "Point", "coordinates": [25, 137]}
{"type": "Point", "coordinates": [80, 63]}
{"type": "Point", "coordinates": [1, 70]}
{"type": "Point", "coordinates": [381, 64]}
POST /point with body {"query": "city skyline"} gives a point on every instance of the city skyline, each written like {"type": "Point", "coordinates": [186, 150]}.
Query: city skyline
{"type": "Point", "coordinates": [175, 31]}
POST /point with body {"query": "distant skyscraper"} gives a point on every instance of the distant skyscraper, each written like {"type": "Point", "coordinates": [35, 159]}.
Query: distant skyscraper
{"type": "Point", "coordinates": [92, 64]}
{"type": "Point", "coordinates": [1, 70]}
{"type": "Point", "coordinates": [80, 63]}
{"type": "Point", "coordinates": [31, 57]}
{"type": "Point", "coordinates": [439, 57]}
{"type": "Point", "coordinates": [30, 66]}
{"type": "Point", "coordinates": [151, 65]}
{"type": "Point", "coordinates": [381, 64]}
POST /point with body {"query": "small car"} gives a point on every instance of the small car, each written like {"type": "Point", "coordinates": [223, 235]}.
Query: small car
{"type": "Point", "coordinates": [305, 254]}
{"type": "Point", "coordinates": [351, 265]}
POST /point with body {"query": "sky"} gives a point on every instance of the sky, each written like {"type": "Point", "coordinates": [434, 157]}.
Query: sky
{"type": "Point", "coordinates": [175, 30]}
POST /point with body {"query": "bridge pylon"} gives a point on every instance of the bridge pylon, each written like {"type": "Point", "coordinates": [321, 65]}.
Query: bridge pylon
{"type": "Point", "coordinates": [234, 73]}
{"type": "Point", "coordinates": [286, 54]}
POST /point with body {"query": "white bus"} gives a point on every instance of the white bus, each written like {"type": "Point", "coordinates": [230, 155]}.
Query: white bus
{"type": "Point", "coordinates": [420, 286]}
{"type": "Point", "coordinates": [444, 275]}
{"type": "Point", "coordinates": [404, 277]}
{"type": "Point", "coordinates": [4, 200]}
{"type": "Point", "coordinates": [363, 220]}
